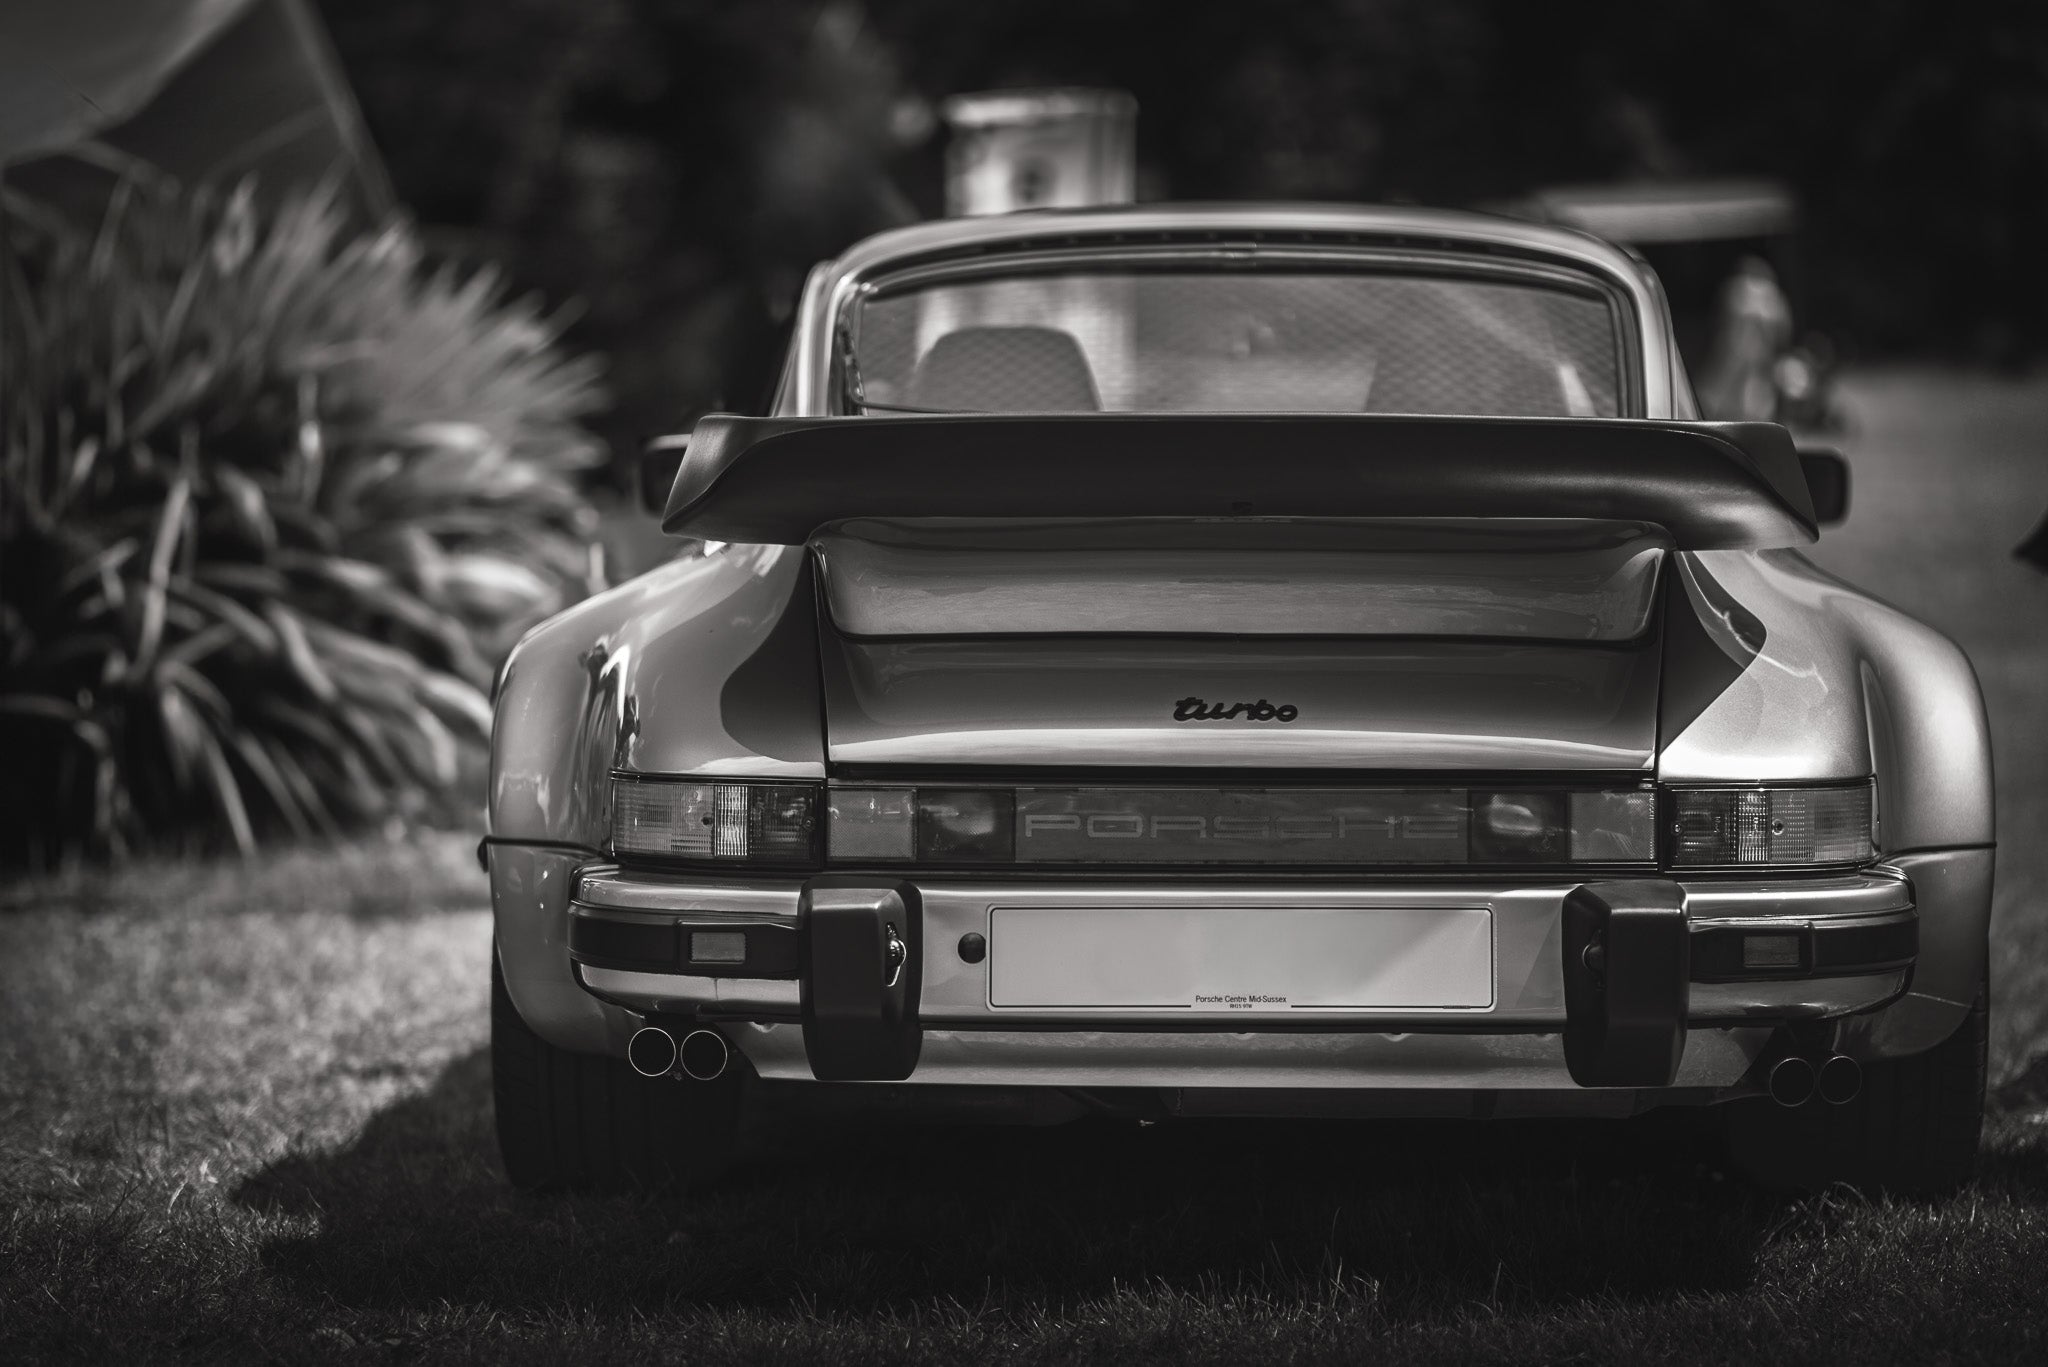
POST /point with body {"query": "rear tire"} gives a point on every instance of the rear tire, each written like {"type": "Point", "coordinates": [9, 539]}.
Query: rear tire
{"type": "Point", "coordinates": [587, 1121]}
{"type": "Point", "coordinates": [1911, 1131]}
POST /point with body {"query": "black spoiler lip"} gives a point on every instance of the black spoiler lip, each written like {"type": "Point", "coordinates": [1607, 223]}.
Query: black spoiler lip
{"type": "Point", "coordinates": [1712, 485]}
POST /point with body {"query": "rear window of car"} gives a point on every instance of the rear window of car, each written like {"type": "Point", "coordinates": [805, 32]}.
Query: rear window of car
{"type": "Point", "coordinates": [1210, 340]}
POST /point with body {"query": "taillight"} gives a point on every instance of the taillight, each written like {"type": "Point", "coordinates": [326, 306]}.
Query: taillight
{"type": "Point", "coordinates": [801, 825]}
{"type": "Point", "coordinates": [1771, 826]}
{"type": "Point", "coordinates": [757, 823]}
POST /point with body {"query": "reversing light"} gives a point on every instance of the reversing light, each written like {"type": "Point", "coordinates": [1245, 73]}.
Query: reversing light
{"type": "Point", "coordinates": [759, 823]}
{"type": "Point", "coordinates": [1769, 826]}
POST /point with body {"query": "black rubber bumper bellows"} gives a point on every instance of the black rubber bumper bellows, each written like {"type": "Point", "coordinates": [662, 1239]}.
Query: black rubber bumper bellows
{"type": "Point", "coordinates": [1627, 965]}
{"type": "Point", "coordinates": [862, 956]}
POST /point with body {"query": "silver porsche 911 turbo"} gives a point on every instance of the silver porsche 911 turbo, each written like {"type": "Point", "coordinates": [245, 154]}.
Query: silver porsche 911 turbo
{"type": "Point", "coordinates": [1239, 661]}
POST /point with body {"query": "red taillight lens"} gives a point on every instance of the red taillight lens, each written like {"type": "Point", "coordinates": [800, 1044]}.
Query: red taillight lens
{"type": "Point", "coordinates": [1521, 828]}
{"type": "Point", "coordinates": [966, 825]}
{"type": "Point", "coordinates": [1613, 826]}
{"type": "Point", "coordinates": [873, 823]}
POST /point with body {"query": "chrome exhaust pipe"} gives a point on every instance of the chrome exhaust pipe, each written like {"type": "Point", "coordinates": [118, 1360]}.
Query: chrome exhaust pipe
{"type": "Point", "coordinates": [704, 1054]}
{"type": "Point", "coordinates": [1791, 1081]}
{"type": "Point", "coordinates": [1841, 1078]}
{"type": "Point", "coordinates": [652, 1051]}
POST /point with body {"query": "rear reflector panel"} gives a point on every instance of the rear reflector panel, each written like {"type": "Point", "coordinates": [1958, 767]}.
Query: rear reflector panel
{"type": "Point", "coordinates": [1617, 827]}
{"type": "Point", "coordinates": [966, 825]}
{"type": "Point", "coordinates": [1164, 827]}
{"type": "Point", "coordinates": [873, 823]}
{"type": "Point", "coordinates": [1208, 826]}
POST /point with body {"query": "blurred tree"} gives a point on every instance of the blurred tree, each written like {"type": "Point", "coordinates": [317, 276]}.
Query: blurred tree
{"type": "Point", "coordinates": [275, 500]}
{"type": "Point", "coordinates": [675, 165]}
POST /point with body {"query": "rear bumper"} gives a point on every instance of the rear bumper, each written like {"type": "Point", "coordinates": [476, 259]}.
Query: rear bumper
{"type": "Point", "coordinates": [734, 953]}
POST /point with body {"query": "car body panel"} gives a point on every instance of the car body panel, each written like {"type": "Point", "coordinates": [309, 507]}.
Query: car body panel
{"type": "Point", "coordinates": [707, 664]}
{"type": "Point", "coordinates": [1387, 704]}
{"type": "Point", "coordinates": [1830, 683]}
{"type": "Point", "coordinates": [1541, 580]}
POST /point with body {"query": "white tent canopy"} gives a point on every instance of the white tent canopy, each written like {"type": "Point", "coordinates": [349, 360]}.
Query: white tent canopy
{"type": "Point", "coordinates": [69, 68]}
{"type": "Point", "coordinates": [199, 90]}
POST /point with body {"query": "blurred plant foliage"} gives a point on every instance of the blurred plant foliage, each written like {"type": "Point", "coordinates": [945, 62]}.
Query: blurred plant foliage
{"type": "Point", "coordinates": [276, 498]}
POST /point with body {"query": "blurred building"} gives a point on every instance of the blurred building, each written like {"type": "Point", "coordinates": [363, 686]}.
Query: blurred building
{"type": "Point", "coordinates": [1040, 149]}
{"type": "Point", "coordinates": [1009, 150]}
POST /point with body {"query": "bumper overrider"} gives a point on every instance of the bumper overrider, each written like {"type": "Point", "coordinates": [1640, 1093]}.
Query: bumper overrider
{"type": "Point", "coordinates": [1643, 983]}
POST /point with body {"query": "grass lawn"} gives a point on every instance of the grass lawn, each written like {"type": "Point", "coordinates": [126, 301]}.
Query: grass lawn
{"type": "Point", "coordinates": [245, 1116]}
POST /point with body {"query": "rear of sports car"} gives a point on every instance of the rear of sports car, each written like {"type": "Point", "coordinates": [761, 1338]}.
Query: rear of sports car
{"type": "Point", "coordinates": [1249, 820]}
{"type": "Point", "coordinates": [1232, 764]}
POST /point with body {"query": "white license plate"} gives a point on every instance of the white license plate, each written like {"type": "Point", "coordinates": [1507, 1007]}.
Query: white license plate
{"type": "Point", "coordinates": [1242, 958]}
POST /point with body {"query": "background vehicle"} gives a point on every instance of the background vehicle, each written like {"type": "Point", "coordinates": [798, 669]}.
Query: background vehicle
{"type": "Point", "coordinates": [1243, 661]}
{"type": "Point", "coordinates": [1728, 256]}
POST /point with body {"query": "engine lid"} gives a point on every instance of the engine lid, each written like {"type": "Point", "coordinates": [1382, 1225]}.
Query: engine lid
{"type": "Point", "coordinates": [1415, 644]}
{"type": "Point", "coordinates": [1282, 703]}
{"type": "Point", "coordinates": [1525, 578]}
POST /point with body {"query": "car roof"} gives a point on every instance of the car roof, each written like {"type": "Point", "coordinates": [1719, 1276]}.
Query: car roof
{"type": "Point", "coordinates": [833, 283]}
{"type": "Point", "coordinates": [1040, 228]}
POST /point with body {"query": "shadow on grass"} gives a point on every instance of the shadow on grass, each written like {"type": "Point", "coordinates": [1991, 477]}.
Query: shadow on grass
{"type": "Point", "coordinates": [1419, 1217]}
{"type": "Point", "coordinates": [2014, 1158]}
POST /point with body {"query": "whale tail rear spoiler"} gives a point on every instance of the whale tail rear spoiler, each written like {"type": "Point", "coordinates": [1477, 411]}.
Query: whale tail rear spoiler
{"type": "Point", "coordinates": [1712, 485]}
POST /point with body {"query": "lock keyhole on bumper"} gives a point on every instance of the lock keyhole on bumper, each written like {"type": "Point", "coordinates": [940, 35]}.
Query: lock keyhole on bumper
{"type": "Point", "coordinates": [894, 953]}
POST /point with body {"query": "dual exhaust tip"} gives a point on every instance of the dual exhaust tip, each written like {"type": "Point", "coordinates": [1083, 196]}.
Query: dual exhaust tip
{"type": "Point", "coordinates": [1794, 1081]}
{"type": "Point", "coordinates": [700, 1056]}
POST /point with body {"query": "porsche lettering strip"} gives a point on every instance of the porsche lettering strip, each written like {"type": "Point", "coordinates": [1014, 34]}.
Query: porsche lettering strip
{"type": "Point", "coordinates": [1241, 959]}
{"type": "Point", "coordinates": [1211, 826]}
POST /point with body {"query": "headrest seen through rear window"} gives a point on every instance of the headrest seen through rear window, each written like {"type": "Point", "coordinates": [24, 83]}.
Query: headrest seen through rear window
{"type": "Point", "coordinates": [1005, 370]}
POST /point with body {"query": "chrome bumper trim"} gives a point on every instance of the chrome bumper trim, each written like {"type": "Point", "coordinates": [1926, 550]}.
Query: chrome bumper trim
{"type": "Point", "coordinates": [1880, 888]}
{"type": "Point", "coordinates": [609, 887]}
{"type": "Point", "coordinates": [1793, 999]}
{"type": "Point", "coordinates": [692, 994]}
{"type": "Point", "coordinates": [1868, 893]}
{"type": "Point", "coordinates": [1529, 994]}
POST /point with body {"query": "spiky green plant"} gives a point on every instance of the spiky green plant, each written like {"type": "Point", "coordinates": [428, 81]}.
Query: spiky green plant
{"type": "Point", "coordinates": [275, 500]}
